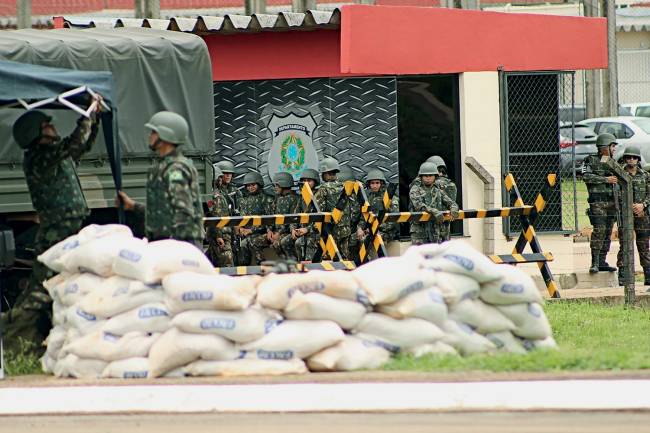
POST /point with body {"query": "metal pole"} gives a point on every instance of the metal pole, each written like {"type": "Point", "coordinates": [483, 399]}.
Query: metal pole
{"type": "Point", "coordinates": [612, 54]}
{"type": "Point", "coordinates": [24, 14]}
{"type": "Point", "coordinates": [302, 6]}
{"type": "Point", "coordinates": [470, 4]}
{"type": "Point", "coordinates": [139, 8]}
{"type": "Point", "coordinates": [255, 7]}
{"type": "Point", "coordinates": [152, 9]}
{"type": "Point", "coordinates": [591, 10]}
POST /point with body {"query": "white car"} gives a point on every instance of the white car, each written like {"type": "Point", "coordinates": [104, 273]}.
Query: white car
{"type": "Point", "coordinates": [628, 130]}
{"type": "Point", "coordinates": [638, 109]}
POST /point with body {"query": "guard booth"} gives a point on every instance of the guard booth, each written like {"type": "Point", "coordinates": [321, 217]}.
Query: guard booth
{"type": "Point", "coordinates": [387, 87]}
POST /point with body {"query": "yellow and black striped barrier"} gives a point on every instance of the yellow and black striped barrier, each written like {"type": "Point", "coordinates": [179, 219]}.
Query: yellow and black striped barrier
{"type": "Point", "coordinates": [301, 267]}
{"type": "Point", "coordinates": [404, 217]}
{"type": "Point", "coordinates": [267, 220]}
{"type": "Point", "coordinates": [513, 259]}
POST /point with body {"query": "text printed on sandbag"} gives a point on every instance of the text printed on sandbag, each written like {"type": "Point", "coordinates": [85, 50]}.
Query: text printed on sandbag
{"type": "Point", "coordinates": [197, 295]}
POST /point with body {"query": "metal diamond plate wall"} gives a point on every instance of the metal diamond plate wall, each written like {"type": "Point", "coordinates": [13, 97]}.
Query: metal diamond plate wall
{"type": "Point", "coordinates": [356, 120]}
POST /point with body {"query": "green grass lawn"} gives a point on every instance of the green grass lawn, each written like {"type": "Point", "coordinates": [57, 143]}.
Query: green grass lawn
{"type": "Point", "coordinates": [581, 201]}
{"type": "Point", "coordinates": [590, 336]}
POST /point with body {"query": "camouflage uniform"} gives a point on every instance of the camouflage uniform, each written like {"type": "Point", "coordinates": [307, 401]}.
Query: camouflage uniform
{"type": "Point", "coordinates": [174, 209]}
{"type": "Point", "coordinates": [219, 207]}
{"type": "Point", "coordinates": [389, 231]}
{"type": "Point", "coordinates": [285, 245]}
{"type": "Point", "coordinates": [448, 187]}
{"type": "Point", "coordinates": [327, 197]}
{"type": "Point", "coordinates": [61, 207]}
{"type": "Point", "coordinates": [602, 210]}
{"type": "Point", "coordinates": [307, 245]}
{"type": "Point", "coordinates": [258, 203]}
{"type": "Point", "coordinates": [430, 199]}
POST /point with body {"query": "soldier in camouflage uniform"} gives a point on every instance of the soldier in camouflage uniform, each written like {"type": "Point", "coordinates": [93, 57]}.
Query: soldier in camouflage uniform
{"type": "Point", "coordinates": [327, 198]}
{"type": "Point", "coordinates": [234, 194]}
{"type": "Point", "coordinates": [427, 197]}
{"type": "Point", "coordinates": [640, 206]}
{"type": "Point", "coordinates": [306, 235]}
{"type": "Point", "coordinates": [345, 175]}
{"type": "Point", "coordinates": [174, 209]}
{"type": "Point", "coordinates": [602, 210]}
{"type": "Point", "coordinates": [286, 202]}
{"type": "Point", "coordinates": [375, 189]}
{"type": "Point", "coordinates": [449, 187]}
{"type": "Point", "coordinates": [219, 239]}
{"type": "Point", "coordinates": [255, 201]}
{"type": "Point", "coordinates": [49, 166]}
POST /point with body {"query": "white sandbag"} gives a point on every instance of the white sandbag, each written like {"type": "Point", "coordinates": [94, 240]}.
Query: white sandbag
{"type": "Point", "coordinates": [456, 287]}
{"type": "Point", "coordinates": [465, 340]}
{"type": "Point", "coordinates": [275, 290]}
{"type": "Point", "coordinates": [48, 363]}
{"type": "Point", "coordinates": [529, 319]}
{"type": "Point", "coordinates": [151, 262]}
{"type": "Point", "coordinates": [457, 257]}
{"type": "Point", "coordinates": [174, 349]}
{"type": "Point", "coordinates": [316, 306]}
{"type": "Point", "coordinates": [246, 367]}
{"type": "Point", "coordinates": [73, 366]}
{"type": "Point", "coordinates": [97, 255]}
{"type": "Point", "coordinates": [297, 338]}
{"type": "Point", "coordinates": [131, 368]}
{"type": "Point", "coordinates": [546, 344]}
{"type": "Point", "coordinates": [51, 284]}
{"type": "Point", "coordinates": [426, 304]}
{"type": "Point", "coordinates": [506, 342]}
{"type": "Point", "coordinates": [388, 279]}
{"type": "Point", "coordinates": [239, 326]}
{"type": "Point", "coordinates": [117, 295]}
{"type": "Point", "coordinates": [147, 318]}
{"type": "Point", "coordinates": [110, 347]}
{"type": "Point", "coordinates": [514, 287]}
{"type": "Point", "coordinates": [82, 321]}
{"type": "Point", "coordinates": [54, 341]}
{"type": "Point", "coordinates": [401, 333]}
{"type": "Point", "coordinates": [75, 287]}
{"type": "Point", "coordinates": [352, 353]}
{"type": "Point", "coordinates": [193, 291]}
{"type": "Point", "coordinates": [483, 318]}
{"type": "Point", "coordinates": [439, 348]}
{"type": "Point", "coordinates": [58, 313]}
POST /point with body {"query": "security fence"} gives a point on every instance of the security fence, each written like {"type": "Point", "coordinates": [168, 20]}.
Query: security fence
{"type": "Point", "coordinates": [538, 138]}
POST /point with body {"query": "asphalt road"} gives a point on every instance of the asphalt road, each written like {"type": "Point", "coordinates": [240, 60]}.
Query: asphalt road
{"type": "Point", "coordinates": [492, 422]}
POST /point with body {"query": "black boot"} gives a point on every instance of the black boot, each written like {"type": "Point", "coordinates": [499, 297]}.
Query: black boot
{"type": "Point", "coordinates": [603, 266]}
{"type": "Point", "coordinates": [646, 276]}
{"type": "Point", "coordinates": [594, 265]}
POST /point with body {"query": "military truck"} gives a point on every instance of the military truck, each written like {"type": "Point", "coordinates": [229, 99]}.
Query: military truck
{"type": "Point", "coordinates": [152, 70]}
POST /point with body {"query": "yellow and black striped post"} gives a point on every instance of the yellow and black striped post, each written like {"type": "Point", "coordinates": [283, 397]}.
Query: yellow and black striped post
{"type": "Point", "coordinates": [301, 267]}
{"type": "Point", "coordinates": [528, 235]}
{"type": "Point", "coordinates": [514, 259]}
{"type": "Point", "coordinates": [374, 239]}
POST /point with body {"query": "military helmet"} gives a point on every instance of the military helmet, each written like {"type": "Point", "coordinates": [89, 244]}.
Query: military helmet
{"type": "Point", "coordinates": [632, 151]}
{"type": "Point", "coordinates": [346, 173]}
{"type": "Point", "coordinates": [283, 179]}
{"type": "Point", "coordinates": [375, 174]}
{"type": "Point", "coordinates": [428, 169]}
{"type": "Point", "coordinates": [27, 127]}
{"type": "Point", "coordinates": [171, 127]}
{"type": "Point", "coordinates": [310, 173]}
{"type": "Point", "coordinates": [253, 177]}
{"type": "Point", "coordinates": [329, 164]}
{"type": "Point", "coordinates": [217, 171]}
{"type": "Point", "coordinates": [226, 166]}
{"type": "Point", "coordinates": [605, 140]}
{"type": "Point", "coordinates": [438, 161]}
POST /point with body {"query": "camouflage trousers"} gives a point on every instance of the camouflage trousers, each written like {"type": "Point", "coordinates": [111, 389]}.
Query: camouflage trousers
{"type": "Point", "coordinates": [445, 231]}
{"type": "Point", "coordinates": [221, 256]}
{"type": "Point", "coordinates": [425, 233]}
{"type": "Point", "coordinates": [602, 216]}
{"type": "Point", "coordinates": [343, 244]}
{"type": "Point", "coordinates": [306, 252]}
{"type": "Point", "coordinates": [30, 318]}
{"type": "Point", "coordinates": [253, 246]}
{"type": "Point", "coordinates": [642, 237]}
{"type": "Point", "coordinates": [370, 250]}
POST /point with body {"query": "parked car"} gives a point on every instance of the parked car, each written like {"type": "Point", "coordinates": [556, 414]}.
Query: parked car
{"type": "Point", "coordinates": [583, 141]}
{"type": "Point", "coordinates": [638, 109]}
{"type": "Point", "coordinates": [628, 130]}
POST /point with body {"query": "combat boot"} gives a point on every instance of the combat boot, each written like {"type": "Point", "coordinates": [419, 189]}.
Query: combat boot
{"type": "Point", "coordinates": [603, 266]}
{"type": "Point", "coordinates": [594, 265]}
{"type": "Point", "coordinates": [646, 276]}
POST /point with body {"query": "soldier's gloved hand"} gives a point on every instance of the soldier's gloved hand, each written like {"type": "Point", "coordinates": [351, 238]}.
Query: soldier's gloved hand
{"type": "Point", "coordinates": [439, 216]}
{"type": "Point", "coordinates": [454, 214]}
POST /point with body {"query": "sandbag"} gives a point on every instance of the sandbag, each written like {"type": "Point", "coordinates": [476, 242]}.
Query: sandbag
{"type": "Point", "coordinates": [401, 333]}
{"type": "Point", "coordinates": [48, 363]}
{"type": "Point", "coordinates": [131, 368]}
{"type": "Point", "coordinates": [506, 342]}
{"type": "Point", "coordinates": [239, 326]}
{"type": "Point", "coordinates": [546, 344]}
{"type": "Point", "coordinates": [439, 348]}
{"type": "Point", "coordinates": [514, 287]}
{"type": "Point", "coordinates": [73, 366]}
{"type": "Point", "coordinates": [54, 341]}
{"type": "Point", "coordinates": [457, 257]}
{"type": "Point", "coordinates": [483, 318]}
{"type": "Point", "coordinates": [147, 318]}
{"type": "Point", "coordinates": [75, 287]}
{"type": "Point", "coordinates": [455, 287]}
{"type": "Point", "coordinates": [118, 295]}
{"type": "Point", "coordinates": [316, 306]}
{"type": "Point", "coordinates": [425, 304]}
{"type": "Point", "coordinates": [352, 353]}
{"type": "Point", "coordinates": [246, 367]}
{"type": "Point", "coordinates": [58, 313]}
{"type": "Point", "coordinates": [296, 339]}
{"type": "Point", "coordinates": [51, 284]}
{"type": "Point", "coordinates": [193, 291]}
{"type": "Point", "coordinates": [389, 279]}
{"type": "Point", "coordinates": [82, 321]}
{"type": "Point", "coordinates": [529, 319]}
{"type": "Point", "coordinates": [275, 290]}
{"type": "Point", "coordinates": [151, 262]}
{"type": "Point", "coordinates": [465, 340]}
{"type": "Point", "coordinates": [175, 349]}
{"type": "Point", "coordinates": [110, 347]}
{"type": "Point", "coordinates": [97, 255]}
